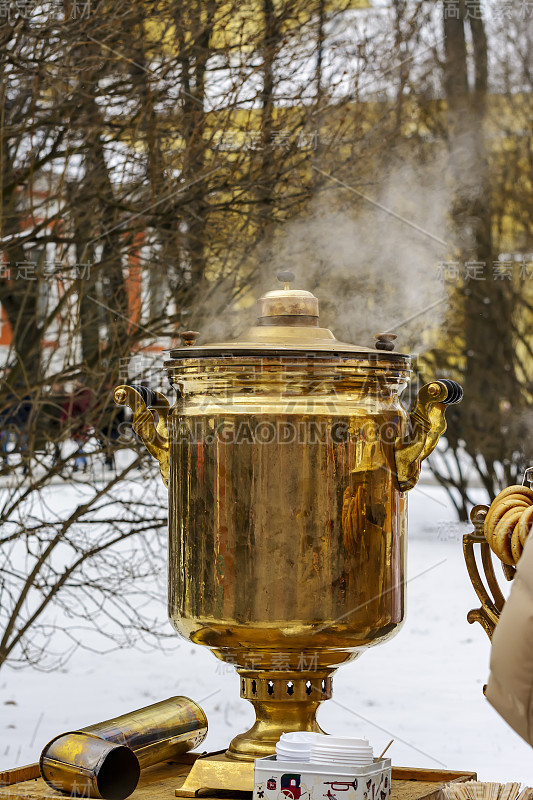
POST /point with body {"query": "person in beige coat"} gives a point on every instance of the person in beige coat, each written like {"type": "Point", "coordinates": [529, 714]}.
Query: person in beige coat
{"type": "Point", "coordinates": [510, 686]}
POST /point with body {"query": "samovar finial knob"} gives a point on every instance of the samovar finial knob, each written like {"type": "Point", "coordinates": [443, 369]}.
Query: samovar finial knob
{"type": "Point", "coordinates": [286, 277]}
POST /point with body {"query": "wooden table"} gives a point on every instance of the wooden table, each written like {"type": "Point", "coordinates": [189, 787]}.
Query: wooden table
{"type": "Point", "coordinates": [160, 781]}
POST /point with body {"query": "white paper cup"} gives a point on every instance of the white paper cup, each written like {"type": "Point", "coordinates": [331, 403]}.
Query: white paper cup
{"type": "Point", "coordinates": [341, 750]}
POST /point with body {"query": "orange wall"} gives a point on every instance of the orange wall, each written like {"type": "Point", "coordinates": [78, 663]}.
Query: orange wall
{"type": "Point", "coordinates": [133, 289]}
{"type": "Point", "coordinates": [6, 334]}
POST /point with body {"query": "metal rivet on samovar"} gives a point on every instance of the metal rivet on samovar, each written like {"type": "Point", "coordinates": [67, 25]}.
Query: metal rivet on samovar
{"type": "Point", "coordinates": [385, 341]}
{"type": "Point", "coordinates": [188, 338]}
{"type": "Point", "coordinates": [286, 539]}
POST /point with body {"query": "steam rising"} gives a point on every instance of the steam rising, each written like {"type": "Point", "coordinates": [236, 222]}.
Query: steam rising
{"type": "Point", "coordinates": [370, 271]}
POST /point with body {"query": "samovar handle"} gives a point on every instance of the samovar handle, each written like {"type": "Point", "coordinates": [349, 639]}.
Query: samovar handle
{"type": "Point", "coordinates": [500, 530]}
{"type": "Point", "coordinates": [487, 587]}
{"type": "Point", "coordinates": [150, 420]}
{"type": "Point", "coordinates": [427, 423]}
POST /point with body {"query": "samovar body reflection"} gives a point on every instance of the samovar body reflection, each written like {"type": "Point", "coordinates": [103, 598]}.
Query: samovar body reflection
{"type": "Point", "coordinates": [287, 456]}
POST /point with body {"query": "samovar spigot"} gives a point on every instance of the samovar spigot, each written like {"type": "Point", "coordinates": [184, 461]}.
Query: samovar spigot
{"type": "Point", "coordinates": [427, 423]}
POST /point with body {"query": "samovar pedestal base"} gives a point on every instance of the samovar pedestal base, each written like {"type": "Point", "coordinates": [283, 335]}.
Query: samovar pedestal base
{"type": "Point", "coordinates": [217, 773]}
{"type": "Point", "coordinates": [283, 701]}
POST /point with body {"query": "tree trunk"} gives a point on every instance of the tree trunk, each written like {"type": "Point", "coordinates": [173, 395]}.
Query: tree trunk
{"type": "Point", "coordinates": [487, 303]}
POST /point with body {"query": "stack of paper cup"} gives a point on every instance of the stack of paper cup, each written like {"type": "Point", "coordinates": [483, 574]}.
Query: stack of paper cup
{"type": "Point", "coordinates": [341, 750]}
{"type": "Point", "coordinates": [295, 746]}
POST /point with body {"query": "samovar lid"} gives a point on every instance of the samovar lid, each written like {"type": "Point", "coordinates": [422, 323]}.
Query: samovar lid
{"type": "Point", "coordinates": [287, 323]}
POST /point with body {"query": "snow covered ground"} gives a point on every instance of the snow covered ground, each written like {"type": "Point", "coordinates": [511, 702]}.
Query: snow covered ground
{"type": "Point", "coordinates": [423, 688]}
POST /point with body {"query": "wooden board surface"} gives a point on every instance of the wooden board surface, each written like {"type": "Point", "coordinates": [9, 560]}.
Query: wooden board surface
{"type": "Point", "coordinates": [158, 783]}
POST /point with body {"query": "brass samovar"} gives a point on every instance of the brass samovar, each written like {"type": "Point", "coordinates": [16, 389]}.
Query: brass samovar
{"type": "Point", "coordinates": [288, 456]}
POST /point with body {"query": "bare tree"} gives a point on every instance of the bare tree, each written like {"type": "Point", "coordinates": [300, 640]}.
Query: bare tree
{"type": "Point", "coordinates": [155, 159]}
{"type": "Point", "coordinates": [489, 433]}
{"type": "Point", "coordinates": [114, 165]}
